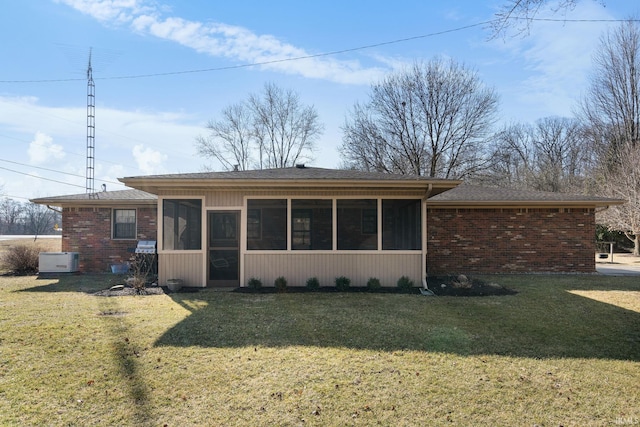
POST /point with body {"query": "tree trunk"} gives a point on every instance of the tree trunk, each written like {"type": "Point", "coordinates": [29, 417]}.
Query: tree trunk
{"type": "Point", "coordinates": [636, 245]}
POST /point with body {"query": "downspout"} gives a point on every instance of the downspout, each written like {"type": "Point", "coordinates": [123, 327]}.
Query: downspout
{"type": "Point", "coordinates": [425, 289]}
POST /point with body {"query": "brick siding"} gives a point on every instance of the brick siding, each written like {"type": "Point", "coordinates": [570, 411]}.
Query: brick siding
{"type": "Point", "coordinates": [88, 232]}
{"type": "Point", "coordinates": [459, 240]}
{"type": "Point", "coordinates": [510, 240]}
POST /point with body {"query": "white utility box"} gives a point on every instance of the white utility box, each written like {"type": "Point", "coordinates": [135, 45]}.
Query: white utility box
{"type": "Point", "coordinates": [58, 262]}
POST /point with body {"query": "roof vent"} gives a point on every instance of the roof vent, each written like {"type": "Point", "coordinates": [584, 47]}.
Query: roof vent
{"type": "Point", "coordinates": [300, 165]}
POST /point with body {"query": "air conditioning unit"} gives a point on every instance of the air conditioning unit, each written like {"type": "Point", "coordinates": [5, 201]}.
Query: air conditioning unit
{"type": "Point", "coordinates": [58, 262]}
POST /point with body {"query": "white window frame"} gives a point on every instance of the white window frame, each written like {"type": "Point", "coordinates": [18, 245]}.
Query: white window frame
{"type": "Point", "coordinates": [113, 223]}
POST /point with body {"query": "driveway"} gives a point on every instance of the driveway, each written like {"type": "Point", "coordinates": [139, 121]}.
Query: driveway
{"type": "Point", "coordinates": [618, 269]}
{"type": "Point", "coordinates": [622, 265]}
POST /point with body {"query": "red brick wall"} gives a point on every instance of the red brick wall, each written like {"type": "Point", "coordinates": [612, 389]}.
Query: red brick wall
{"type": "Point", "coordinates": [88, 231]}
{"type": "Point", "coordinates": [510, 240]}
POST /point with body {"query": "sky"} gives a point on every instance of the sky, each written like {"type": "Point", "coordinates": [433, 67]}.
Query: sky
{"type": "Point", "coordinates": [164, 68]}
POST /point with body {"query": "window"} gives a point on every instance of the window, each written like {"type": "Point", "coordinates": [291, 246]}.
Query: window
{"type": "Point", "coordinates": [311, 224]}
{"type": "Point", "coordinates": [266, 224]}
{"type": "Point", "coordinates": [124, 224]}
{"type": "Point", "coordinates": [301, 229]}
{"type": "Point", "coordinates": [182, 224]}
{"type": "Point", "coordinates": [357, 224]}
{"type": "Point", "coordinates": [254, 221]}
{"type": "Point", "coordinates": [401, 224]}
{"type": "Point", "coordinates": [223, 228]}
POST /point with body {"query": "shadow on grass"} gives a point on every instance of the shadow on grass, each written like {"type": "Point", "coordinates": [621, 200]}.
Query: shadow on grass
{"type": "Point", "coordinates": [543, 320]}
{"type": "Point", "coordinates": [124, 350]}
{"type": "Point", "coordinates": [125, 354]}
{"type": "Point", "coordinates": [73, 282]}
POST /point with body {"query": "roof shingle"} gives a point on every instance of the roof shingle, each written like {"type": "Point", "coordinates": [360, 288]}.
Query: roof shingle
{"type": "Point", "coordinates": [96, 198]}
{"type": "Point", "coordinates": [472, 194]}
{"type": "Point", "coordinates": [287, 174]}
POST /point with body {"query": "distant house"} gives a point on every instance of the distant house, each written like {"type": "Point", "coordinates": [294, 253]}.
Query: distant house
{"type": "Point", "coordinates": [223, 228]}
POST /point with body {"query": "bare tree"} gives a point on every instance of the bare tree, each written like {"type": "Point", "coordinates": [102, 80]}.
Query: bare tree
{"type": "Point", "coordinates": [229, 140]}
{"type": "Point", "coordinates": [624, 182]}
{"type": "Point", "coordinates": [611, 107]}
{"type": "Point", "coordinates": [611, 112]}
{"type": "Point", "coordinates": [11, 216]}
{"type": "Point", "coordinates": [517, 15]}
{"type": "Point", "coordinates": [39, 219]}
{"type": "Point", "coordinates": [512, 157]}
{"type": "Point", "coordinates": [272, 129]}
{"type": "Point", "coordinates": [284, 129]}
{"type": "Point", "coordinates": [550, 155]}
{"type": "Point", "coordinates": [432, 119]}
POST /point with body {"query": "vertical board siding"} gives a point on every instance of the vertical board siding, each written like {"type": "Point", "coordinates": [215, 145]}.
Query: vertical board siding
{"type": "Point", "coordinates": [216, 199]}
{"type": "Point", "coordinates": [297, 268]}
{"type": "Point", "coordinates": [187, 267]}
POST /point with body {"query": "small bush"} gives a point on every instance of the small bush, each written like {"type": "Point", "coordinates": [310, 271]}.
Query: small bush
{"type": "Point", "coordinates": [21, 259]}
{"type": "Point", "coordinates": [373, 283]}
{"type": "Point", "coordinates": [140, 273]}
{"type": "Point", "coordinates": [313, 284]}
{"type": "Point", "coordinates": [281, 284]}
{"type": "Point", "coordinates": [405, 283]}
{"type": "Point", "coordinates": [342, 283]}
{"type": "Point", "coordinates": [254, 283]}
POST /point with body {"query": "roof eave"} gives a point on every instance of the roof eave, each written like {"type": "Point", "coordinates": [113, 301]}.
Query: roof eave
{"type": "Point", "coordinates": [524, 204]}
{"type": "Point", "coordinates": [154, 185]}
{"type": "Point", "coordinates": [92, 202]}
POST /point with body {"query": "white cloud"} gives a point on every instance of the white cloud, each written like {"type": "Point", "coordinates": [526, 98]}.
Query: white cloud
{"type": "Point", "coordinates": [107, 10]}
{"type": "Point", "coordinates": [228, 41]}
{"type": "Point", "coordinates": [42, 150]}
{"type": "Point", "coordinates": [149, 161]}
{"type": "Point", "coordinates": [60, 143]}
{"type": "Point", "coordinates": [556, 57]}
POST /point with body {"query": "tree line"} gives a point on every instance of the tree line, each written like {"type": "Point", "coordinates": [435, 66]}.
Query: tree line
{"type": "Point", "coordinates": [438, 119]}
{"type": "Point", "coordinates": [18, 218]}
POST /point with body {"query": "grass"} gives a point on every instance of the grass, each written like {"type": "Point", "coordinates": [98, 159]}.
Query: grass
{"type": "Point", "coordinates": [564, 351]}
{"type": "Point", "coordinates": [46, 244]}
{"type": "Point", "coordinates": [42, 244]}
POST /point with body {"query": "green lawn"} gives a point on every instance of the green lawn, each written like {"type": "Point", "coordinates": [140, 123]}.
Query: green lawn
{"type": "Point", "coordinates": [564, 351]}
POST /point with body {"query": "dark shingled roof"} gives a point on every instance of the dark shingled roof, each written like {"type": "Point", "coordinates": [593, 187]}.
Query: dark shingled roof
{"type": "Point", "coordinates": [123, 196]}
{"type": "Point", "coordinates": [475, 195]}
{"type": "Point", "coordinates": [287, 174]}
{"type": "Point", "coordinates": [299, 177]}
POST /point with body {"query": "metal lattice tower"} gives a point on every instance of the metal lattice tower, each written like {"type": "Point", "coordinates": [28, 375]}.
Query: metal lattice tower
{"type": "Point", "coordinates": [91, 129]}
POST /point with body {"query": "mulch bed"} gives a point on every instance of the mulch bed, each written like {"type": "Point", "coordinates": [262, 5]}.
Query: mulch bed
{"type": "Point", "coordinates": [324, 289]}
{"type": "Point", "coordinates": [453, 286]}
{"type": "Point", "coordinates": [440, 285]}
{"type": "Point", "coordinates": [128, 290]}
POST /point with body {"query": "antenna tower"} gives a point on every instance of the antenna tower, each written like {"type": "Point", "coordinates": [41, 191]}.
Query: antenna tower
{"type": "Point", "coordinates": [91, 129]}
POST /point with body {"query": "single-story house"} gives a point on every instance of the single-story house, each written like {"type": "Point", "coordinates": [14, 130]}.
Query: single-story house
{"type": "Point", "coordinates": [224, 228]}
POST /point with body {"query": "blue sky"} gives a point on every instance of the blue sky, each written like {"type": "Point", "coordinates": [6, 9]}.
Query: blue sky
{"type": "Point", "coordinates": [148, 125]}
